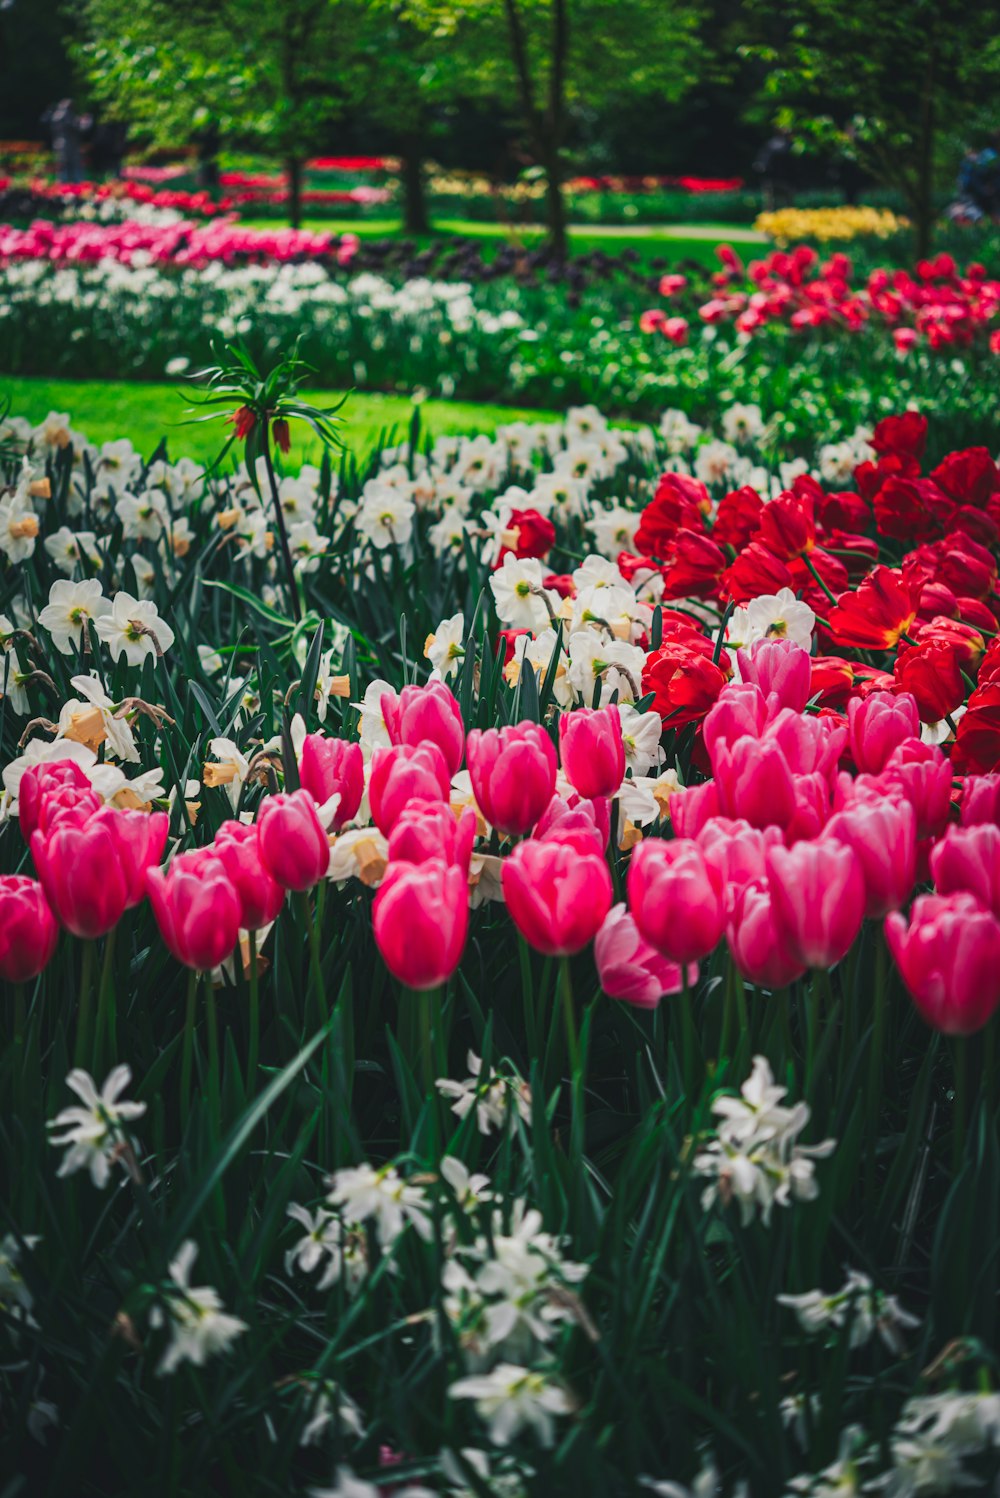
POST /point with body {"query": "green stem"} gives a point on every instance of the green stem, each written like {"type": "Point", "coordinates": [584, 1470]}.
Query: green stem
{"type": "Point", "coordinates": [214, 1079]}
{"type": "Point", "coordinates": [576, 1071]}
{"type": "Point", "coordinates": [82, 1052]}
{"type": "Point", "coordinates": [311, 924]}
{"type": "Point", "coordinates": [528, 996]}
{"type": "Point", "coordinates": [105, 1007]}
{"type": "Point", "coordinates": [187, 1055]}
{"type": "Point", "coordinates": [875, 1061]}
{"type": "Point", "coordinates": [254, 1047]}
{"type": "Point", "coordinates": [960, 1048]}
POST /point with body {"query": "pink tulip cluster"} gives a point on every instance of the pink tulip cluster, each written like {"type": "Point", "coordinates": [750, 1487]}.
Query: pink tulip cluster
{"type": "Point", "coordinates": [180, 244]}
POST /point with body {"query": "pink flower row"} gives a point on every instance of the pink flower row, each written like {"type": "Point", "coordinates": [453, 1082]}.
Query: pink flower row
{"type": "Point", "coordinates": [174, 244]}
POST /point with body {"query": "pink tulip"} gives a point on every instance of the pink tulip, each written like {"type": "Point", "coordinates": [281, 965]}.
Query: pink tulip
{"type": "Point", "coordinates": [40, 781]}
{"type": "Point", "coordinates": [968, 858]}
{"type": "Point", "coordinates": [737, 851]}
{"type": "Point", "coordinates": [923, 775]}
{"type": "Point", "coordinates": [949, 957]}
{"type": "Point", "coordinates": [811, 745]}
{"type": "Point", "coordinates": [740, 712]}
{"type": "Point", "coordinates": [677, 898]}
{"type": "Point", "coordinates": [754, 783]}
{"type": "Point", "coordinates": [584, 825]}
{"type": "Point", "coordinates": [420, 918]}
{"type": "Point", "coordinates": [592, 751]}
{"type": "Point", "coordinates": [630, 969]}
{"type": "Point", "coordinates": [293, 847]}
{"type": "Point", "coordinates": [429, 830]}
{"type": "Point", "coordinates": [884, 838]}
{"type": "Point", "coordinates": [759, 950]}
{"type": "Point", "coordinates": [140, 838]}
{"type": "Point", "coordinates": [693, 807]}
{"type": "Point", "coordinates": [405, 773]}
{"type": "Point", "coordinates": [877, 725]}
{"type": "Point", "coordinates": [818, 894]}
{"type": "Point", "coordinates": [781, 669]}
{"type": "Point", "coordinates": [980, 800]}
{"type": "Point", "coordinates": [557, 895]}
{"type": "Point", "coordinates": [68, 806]}
{"type": "Point", "coordinates": [333, 767]}
{"type": "Point", "coordinates": [86, 882]}
{"type": "Point", "coordinates": [430, 714]}
{"type": "Point", "coordinates": [28, 929]}
{"type": "Point", "coordinates": [237, 848]}
{"type": "Point", "coordinates": [197, 909]}
{"type": "Point", "coordinates": [513, 772]}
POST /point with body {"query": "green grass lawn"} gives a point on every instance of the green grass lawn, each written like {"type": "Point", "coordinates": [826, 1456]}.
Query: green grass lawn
{"type": "Point", "coordinates": [104, 410]}
{"type": "Point", "coordinates": [671, 241]}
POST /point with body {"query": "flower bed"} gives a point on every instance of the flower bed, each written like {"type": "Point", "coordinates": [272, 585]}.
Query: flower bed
{"type": "Point", "coordinates": [575, 1069]}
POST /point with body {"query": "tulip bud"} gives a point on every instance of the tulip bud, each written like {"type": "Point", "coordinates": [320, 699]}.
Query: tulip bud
{"type": "Point", "coordinates": [737, 851]}
{"type": "Point", "coordinates": [632, 970]}
{"type": "Point", "coordinates": [429, 830]}
{"type": "Point", "coordinates": [293, 846]}
{"type": "Point", "coordinates": [980, 800]}
{"type": "Point", "coordinates": [585, 825]}
{"type": "Point", "coordinates": [140, 838]}
{"type": "Point", "coordinates": [513, 773]}
{"type": "Point", "coordinates": [781, 669]}
{"type": "Point", "coordinates": [405, 773]}
{"type": "Point", "coordinates": [237, 848]}
{"type": "Point", "coordinates": [968, 858]}
{"type": "Point", "coordinates": [677, 899]}
{"type": "Point", "coordinates": [82, 872]}
{"type": "Point", "coordinates": [883, 835]}
{"type": "Point", "coordinates": [420, 917]}
{"type": "Point", "coordinates": [28, 929]}
{"type": "Point", "coordinates": [429, 714]}
{"type": "Point", "coordinates": [949, 957]}
{"type": "Point", "coordinates": [197, 909]}
{"type": "Point", "coordinates": [68, 805]}
{"type": "Point", "coordinates": [333, 767]}
{"type": "Point", "coordinates": [592, 751]}
{"type": "Point", "coordinates": [818, 896]}
{"type": "Point", "coordinates": [557, 895]}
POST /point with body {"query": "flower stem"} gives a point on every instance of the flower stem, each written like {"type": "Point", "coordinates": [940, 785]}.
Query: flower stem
{"type": "Point", "coordinates": [82, 1052]}
{"type": "Point", "coordinates": [187, 1055]}
{"type": "Point", "coordinates": [279, 516]}
{"type": "Point", "coordinates": [960, 1049]}
{"type": "Point", "coordinates": [253, 1052]}
{"type": "Point", "coordinates": [105, 1005]}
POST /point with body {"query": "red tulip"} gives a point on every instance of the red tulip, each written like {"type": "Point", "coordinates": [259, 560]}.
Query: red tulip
{"type": "Point", "coordinates": [949, 957]}
{"type": "Point", "coordinates": [292, 844]}
{"type": "Point", "coordinates": [557, 895]}
{"type": "Point", "coordinates": [877, 615]}
{"type": "Point", "coordinates": [592, 751]}
{"type": "Point", "coordinates": [237, 848]}
{"type": "Point", "coordinates": [197, 909]}
{"type": "Point", "coordinates": [631, 969]}
{"type": "Point", "coordinates": [884, 836]}
{"type": "Point", "coordinates": [40, 781]}
{"type": "Point", "coordinates": [677, 898]}
{"type": "Point", "coordinates": [426, 831]}
{"type": "Point", "coordinates": [84, 877]}
{"type": "Point", "coordinates": [818, 896]}
{"type": "Point", "coordinates": [759, 950]}
{"type": "Point", "coordinates": [405, 773]}
{"type": "Point", "coordinates": [420, 918]}
{"type": "Point", "coordinates": [513, 772]}
{"type": "Point", "coordinates": [333, 767]}
{"type": "Point", "coordinates": [429, 714]}
{"type": "Point", "coordinates": [28, 929]}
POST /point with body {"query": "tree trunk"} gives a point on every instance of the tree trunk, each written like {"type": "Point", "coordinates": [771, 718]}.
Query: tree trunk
{"type": "Point", "coordinates": [415, 216]}
{"type": "Point", "coordinates": [924, 198]}
{"type": "Point", "coordinates": [555, 204]}
{"type": "Point", "coordinates": [293, 173]}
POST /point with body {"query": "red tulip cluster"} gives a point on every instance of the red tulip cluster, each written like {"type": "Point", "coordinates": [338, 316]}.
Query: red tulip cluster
{"type": "Point", "coordinates": [936, 305]}
{"type": "Point", "coordinates": [932, 618]}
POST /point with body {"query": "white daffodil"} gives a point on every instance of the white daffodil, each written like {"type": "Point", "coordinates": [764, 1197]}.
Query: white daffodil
{"type": "Point", "coordinates": [90, 719]}
{"type": "Point", "coordinates": [327, 1238]}
{"type": "Point", "coordinates": [641, 734]}
{"type": "Point", "coordinates": [491, 1095]}
{"type": "Point", "coordinates": [133, 628]}
{"type": "Point", "coordinates": [772, 616]}
{"type": "Point", "coordinates": [385, 517]}
{"type": "Point", "coordinates": [445, 648]}
{"type": "Point", "coordinates": [364, 1193]}
{"type": "Point", "coordinates": [18, 527]}
{"type": "Point", "coordinates": [70, 609]}
{"type": "Point", "coordinates": [511, 1399]}
{"type": "Point", "coordinates": [858, 1301]}
{"type": "Point", "coordinates": [95, 1132]}
{"type": "Point", "coordinates": [68, 549]}
{"type": "Point", "coordinates": [200, 1327]}
{"type": "Point", "coordinates": [613, 529]}
{"type": "Point", "coordinates": [522, 600]}
{"type": "Point", "coordinates": [228, 768]}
